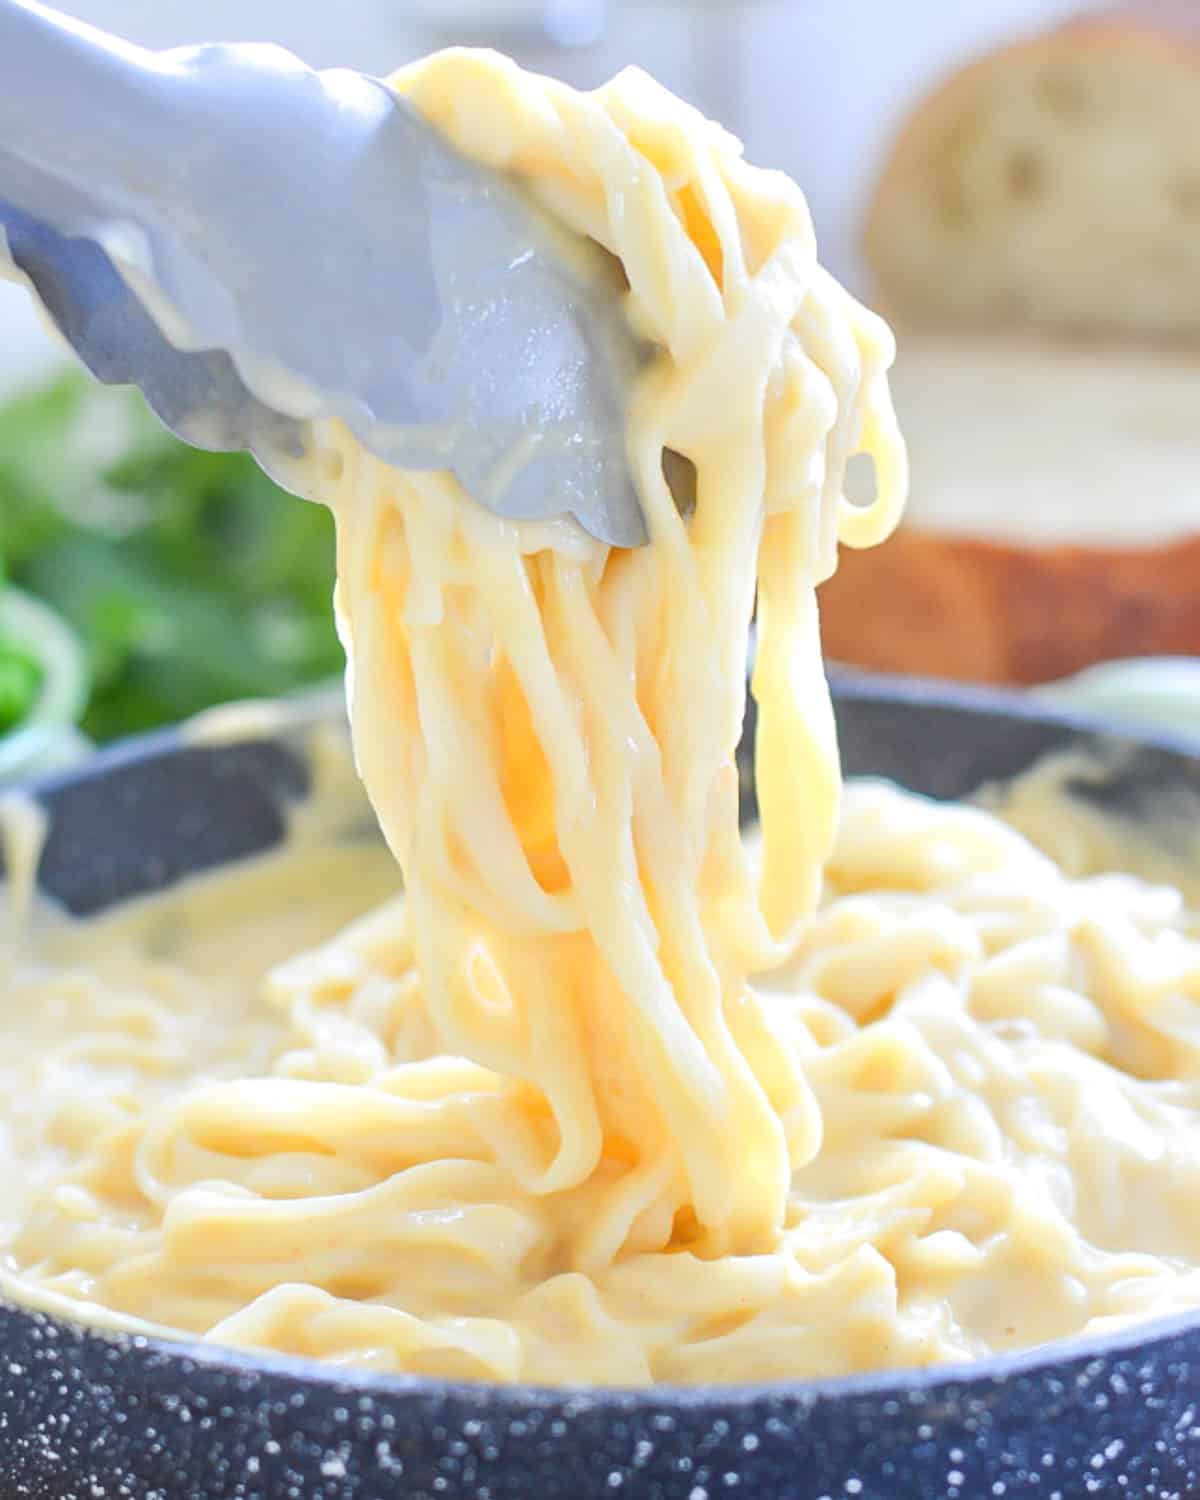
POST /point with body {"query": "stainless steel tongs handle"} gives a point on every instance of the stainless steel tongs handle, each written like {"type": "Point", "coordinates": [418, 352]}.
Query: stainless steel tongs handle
{"type": "Point", "coordinates": [48, 62]}
{"type": "Point", "coordinates": [257, 244]}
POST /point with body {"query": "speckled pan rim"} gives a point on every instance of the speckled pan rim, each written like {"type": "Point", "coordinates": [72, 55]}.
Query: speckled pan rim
{"type": "Point", "coordinates": [1012, 703]}
{"type": "Point", "coordinates": [964, 1377]}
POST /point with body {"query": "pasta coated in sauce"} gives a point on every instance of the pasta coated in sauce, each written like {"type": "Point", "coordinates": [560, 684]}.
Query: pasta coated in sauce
{"type": "Point", "coordinates": [610, 1095]}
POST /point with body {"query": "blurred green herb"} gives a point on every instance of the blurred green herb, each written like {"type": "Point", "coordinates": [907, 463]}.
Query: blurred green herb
{"type": "Point", "coordinates": [20, 679]}
{"type": "Point", "coordinates": [191, 578]}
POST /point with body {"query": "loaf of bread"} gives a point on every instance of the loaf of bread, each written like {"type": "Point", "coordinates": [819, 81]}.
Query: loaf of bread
{"type": "Point", "coordinates": [1056, 182]}
{"type": "Point", "coordinates": [1035, 239]}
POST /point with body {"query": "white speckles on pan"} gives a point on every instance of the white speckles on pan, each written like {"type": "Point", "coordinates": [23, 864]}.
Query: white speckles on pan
{"type": "Point", "coordinates": [85, 1416]}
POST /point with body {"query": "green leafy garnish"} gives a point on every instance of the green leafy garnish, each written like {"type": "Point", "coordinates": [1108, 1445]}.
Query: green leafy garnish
{"type": "Point", "coordinates": [191, 578]}
{"type": "Point", "coordinates": [20, 681]}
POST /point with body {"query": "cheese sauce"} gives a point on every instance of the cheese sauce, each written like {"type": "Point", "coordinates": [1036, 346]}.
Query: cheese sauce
{"type": "Point", "coordinates": [609, 1095]}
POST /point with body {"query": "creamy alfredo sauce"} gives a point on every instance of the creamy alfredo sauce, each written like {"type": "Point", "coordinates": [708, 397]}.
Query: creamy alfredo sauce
{"type": "Point", "coordinates": [608, 1095]}
{"type": "Point", "coordinates": [1005, 1058]}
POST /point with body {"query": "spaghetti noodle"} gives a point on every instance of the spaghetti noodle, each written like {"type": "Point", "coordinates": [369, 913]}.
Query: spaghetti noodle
{"type": "Point", "coordinates": [609, 1094]}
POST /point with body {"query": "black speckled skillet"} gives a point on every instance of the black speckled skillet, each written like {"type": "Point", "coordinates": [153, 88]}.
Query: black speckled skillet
{"type": "Point", "coordinates": [92, 1417]}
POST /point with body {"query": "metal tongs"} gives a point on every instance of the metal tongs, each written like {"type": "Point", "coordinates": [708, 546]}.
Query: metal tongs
{"type": "Point", "coordinates": [258, 245]}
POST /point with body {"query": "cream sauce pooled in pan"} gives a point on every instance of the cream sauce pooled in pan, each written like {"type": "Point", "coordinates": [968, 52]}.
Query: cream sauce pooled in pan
{"type": "Point", "coordinates": [205, 1133]}
{"type": "Point", "coordinates": [610, 1095]}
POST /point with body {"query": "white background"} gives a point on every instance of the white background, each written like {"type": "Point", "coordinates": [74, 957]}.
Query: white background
{"type": "Point", "coordinates": [812, 86]}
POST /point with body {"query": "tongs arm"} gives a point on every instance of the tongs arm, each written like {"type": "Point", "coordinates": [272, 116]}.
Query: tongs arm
{"type": "Point", "coordinates": [258, 244]}
{"type": "Point", "coordinates": [81, 113]}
